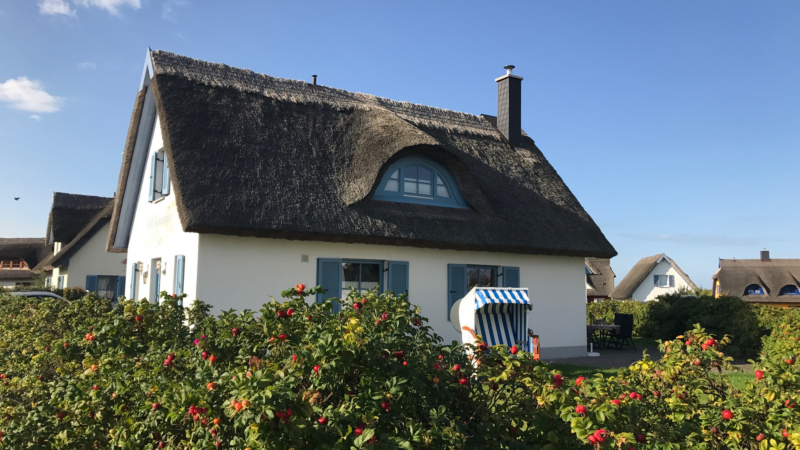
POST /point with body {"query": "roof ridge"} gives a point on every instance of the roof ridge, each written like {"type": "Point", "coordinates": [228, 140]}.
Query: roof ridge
{"type": "Point", "coordinates": [309, 93]}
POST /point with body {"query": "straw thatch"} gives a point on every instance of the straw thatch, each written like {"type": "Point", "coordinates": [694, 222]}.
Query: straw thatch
{"type": "Point", "coordinates": [70, 212]}
{"type": "Point", "coordinates": [30, 250]}
{"type": "Point", "coordinates": [253, 155]}
{"type": "Point", "coordinates": [95, 223]}
{"type": "Point", "coordinates": [639, 272]}
{"type": "Point", "coordinates": [601, 279]}
{"type": "Point", "coordinates": [735, 275]}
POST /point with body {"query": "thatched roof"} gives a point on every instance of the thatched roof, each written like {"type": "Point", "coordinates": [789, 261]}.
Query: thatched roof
{"type": "Point", "coordinates": [71, 212]}
{"type": "Point", "coordinates": [735, 275]}
{"type": "Point", "coordinates": [637, 274]}
{"type": "Point", "coordinates": [30, 250]}
{"type": "Point", "coordinates": [601, 279]}
{"type": "Point", "coordinates": [254, 155]}
{"type": "Point", "coordinates": [83, 235]}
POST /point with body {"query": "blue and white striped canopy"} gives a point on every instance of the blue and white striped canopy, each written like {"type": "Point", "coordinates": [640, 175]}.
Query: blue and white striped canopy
{"type": "Point", "coordinates": [509, 296]}
{"type": "Point", "coordinates": [501, 316]}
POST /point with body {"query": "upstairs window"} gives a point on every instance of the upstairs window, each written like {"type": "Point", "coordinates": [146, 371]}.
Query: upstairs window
{"type": "Point", "coordinates": [13, 264]}
{"type": "Point", "coordinates": [789, 289]}
{"type": "Point", "coordinates": [420, 180]}
{"type": "Point", "coordinates": [664, 280]}
{"type": "Point", "coordinates": [754, 289]}
{"type": "Point", "coordinates": [159, 176]}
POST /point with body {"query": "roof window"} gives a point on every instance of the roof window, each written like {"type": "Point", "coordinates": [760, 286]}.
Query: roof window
{"type": "Point", "coordinates": [419, 180]}
{"type": "Point", "coordinates": [754, 289]}
{"type": "Point", "coordinates": [789, 289]}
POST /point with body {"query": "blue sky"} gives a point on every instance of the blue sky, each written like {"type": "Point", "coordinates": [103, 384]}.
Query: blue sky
{"type": "Point", "coordinates": [676, 124]}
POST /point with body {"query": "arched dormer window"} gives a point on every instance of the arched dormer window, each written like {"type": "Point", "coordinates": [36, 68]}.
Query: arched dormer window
{"type": "Point", "coordinates": [789, 289]}
{"type": "Point", "coordinates": [754, 289]}
{"type": "Point", "coordinates": [420, 180]}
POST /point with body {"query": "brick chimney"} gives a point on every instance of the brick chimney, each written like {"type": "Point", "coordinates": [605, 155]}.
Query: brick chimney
{"type": "Point", "coordinates": [765, 255]}
{"type": "Point", "coordinates": [509, 106]}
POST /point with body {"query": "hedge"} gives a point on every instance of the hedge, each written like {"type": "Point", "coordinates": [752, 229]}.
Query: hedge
{"type": "Point", "coordinates": [138, 375]}
{"type": "Point", "coordinates": [667, 317]}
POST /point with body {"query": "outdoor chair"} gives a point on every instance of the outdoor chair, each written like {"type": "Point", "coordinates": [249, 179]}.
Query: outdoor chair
{"type": "Point", "coordinates": [625, 334]}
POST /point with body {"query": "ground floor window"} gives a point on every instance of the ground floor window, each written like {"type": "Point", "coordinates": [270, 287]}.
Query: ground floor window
{"type": "Point", "coordinates": [60, 282]}
{"type": "Point", "coordinates": [360, 276]}
{"type": "Point", "coordinates": [107, 287]}
{"type": "Point", "coordinates": [481, 277]}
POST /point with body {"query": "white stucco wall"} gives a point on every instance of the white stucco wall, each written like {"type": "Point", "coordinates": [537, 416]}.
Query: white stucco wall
{"type": "Point", "coordinates": [157, 233]}
{"type": "Point", "coordinates": [92, 259]}
{"type": "Point", "coordinates": [648, 291]}
{"type": "Point", "coordinates": [241, 273]}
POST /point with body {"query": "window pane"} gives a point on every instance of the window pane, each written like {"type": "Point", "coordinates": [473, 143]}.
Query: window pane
{"type": "Point", "coordinates": [370, 276]}
{"type": "Point", "coordinates": [424, 175]}
{"type": "Point", "coordinates": [349, 275]}
{"type": "Point", "coordinates": [409, 187]}
{"type": "Point", "coordinates": [392, 186]}
{"type": "Point", "coordinates": [410, 173]}
{"type": "Point", "coordinates": [424, 188]}
{"type": "Point", "coordinates": [395, 175]}
{"type": "Point", "coordinates": [441, 189]}
{"type": "Point", "coordinates": [487, 278]}
{"type": "Point", "coordinates": [473, 276]}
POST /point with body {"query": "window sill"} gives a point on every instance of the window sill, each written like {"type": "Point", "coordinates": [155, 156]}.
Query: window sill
{"type": "Point", "coordinates": [159, 199]}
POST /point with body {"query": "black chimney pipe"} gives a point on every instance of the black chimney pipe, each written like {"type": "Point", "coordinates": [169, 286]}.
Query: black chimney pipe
{"type": "Point", "coordinates": [509, 106]}
{"type": "Point", "coordinates": [314, 78]}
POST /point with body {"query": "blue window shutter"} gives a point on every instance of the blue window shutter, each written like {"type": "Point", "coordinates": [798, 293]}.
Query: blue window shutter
{"type": "Point", "coordinates": [511, 277]}
{"type": "Point", "coordinates": [165, 177]}
{"type": "Point", "coordinates": [133, 282]}
{"type": "Point", "coordinates": [456, 284]}
{"type": "Point", "coordinates": [91, 283]}
{"type": "Point", "coordinates": [398, 277]}
{"type": "Point", "coordinates": [329, 276]}
{"type": "Point", "coordinates": [655, 280]}
{"type": "Point", "coordinates": [119, 289]}
{"type": "Point", "coordinates": [153, 164]}
{"type": "Point", "coordinates": [672, 281]}
{"type": "Point", "coordinates": [179, 263]}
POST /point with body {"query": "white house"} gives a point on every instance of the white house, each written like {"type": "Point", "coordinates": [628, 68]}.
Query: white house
{"type": "Point", "coordinates": [77, 229]}
{"type": "Point", "coordinates": [235, 186]}
{"type": "Point", "coordinates": [650, 277]}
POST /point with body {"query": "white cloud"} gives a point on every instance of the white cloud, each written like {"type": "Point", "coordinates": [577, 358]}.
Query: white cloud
{"type": "Point", "coordinates": [111, 6]}
{"type": "Point", "coordinates": [28, 95]}
{"type": "Point", "coordinates": [87, 65]}
{"type": "Point", "coordinates": [168, 9]}
{"type": "Point", "coordinates": [55, 8]}
{"type": "Point", "coordinates": [36, 117]}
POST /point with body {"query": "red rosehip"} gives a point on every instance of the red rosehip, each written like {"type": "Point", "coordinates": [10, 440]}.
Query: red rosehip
{"type": "Point", "coordinates": [760, 437]}
{"type": "Point", "coordinates": [294, 358]}
{"type": "Point", "coordinates": [436, 366]}
{"type": "Point", "coordinates": [211, 386]}
{"type": "Point", "coordinates": [727, 414]}
{"type": "Point", "coordinates": [283, 336]}
{"type": "Point", "coordinates": [641, 438]}
{"type": "Point", "coordinates": [580, 409]}
{"type": "Point", "coordinates": [463, 381]}
{"type": "Point", "coordinates": [357, 305]}
{"type": "Point", "coordinates": [204, 355]}
{"type": "Point", "coordinates": [457, 367]}
{"type": "Point", "coordinates": [514, 350]}
{"type": "Point", "coordinates": [759, 375]}
{"type": "Point", "coordinates": [300, 287]}
{"type": "Point", "coordinates": [156, 406]}
{"type": "Point", "coordinates": [785, 433]}
{"type": "Point", "coordinates": [316, 369]}
{"type": "Point", "coordinates": [790, 361]}
{"type": "Point", "coordinates": [139, 318]}
{"type": "Point", "coordinates": [591, 439]}
{"type": "Point", "coordinates": [358, 431]}
{"type": "Point", "coordinates": [579, 380]}
{"type": "Point", "coordinates": [212, 359]}
{"type": "Point", "coordinates": [601, 435]}
{"type": "Point", "coordinates": [322, 421]}
{"type": "Point", "coordinates": [385, 316]}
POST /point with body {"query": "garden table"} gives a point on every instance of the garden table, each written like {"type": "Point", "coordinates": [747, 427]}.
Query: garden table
{"type": "Point", "coordinates": [603, 332]}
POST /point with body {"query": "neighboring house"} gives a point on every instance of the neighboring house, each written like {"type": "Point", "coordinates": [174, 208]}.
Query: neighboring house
{"type": "Point", "coordinates": [18, 256]}
{"type": "Point", "coordinates": [77, 229]}
{"type": "Point", "coordinates": [768, 281]}
{"type": "Point", "coordinates": [236, 185]}
{"type": "Point", "coordinates": [650, 277]}
{"type": "Point", "coordinates": [599, 279]}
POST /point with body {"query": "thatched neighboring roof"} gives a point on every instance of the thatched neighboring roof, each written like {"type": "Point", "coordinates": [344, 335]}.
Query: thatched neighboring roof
{"type": "Point", "coordinates": [254, 155]}
{"type": "Point", "coordinates": [70, 213]}
{"type": "Point", "coordinates": [637, 274]}
{"type": "Point", "coordinates": [61, 258]}
{"type": "Point", "coordinates": [30, 250]}
{"type": "Point", "coordinates": [735, 275]}
{"type": "Point", "coordinates": [601, 279]}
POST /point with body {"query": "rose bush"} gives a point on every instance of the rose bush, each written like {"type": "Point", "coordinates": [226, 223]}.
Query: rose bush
{"type": "Point", "coordinates": [144, 375]}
